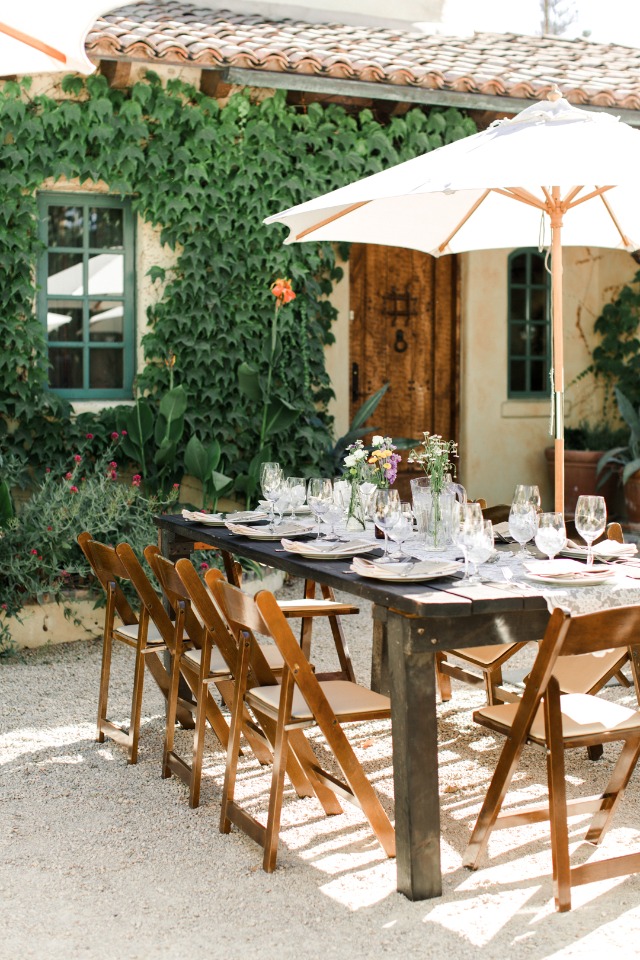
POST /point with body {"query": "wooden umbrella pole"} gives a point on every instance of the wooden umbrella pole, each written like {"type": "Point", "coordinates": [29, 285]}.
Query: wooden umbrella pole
{"type": "Point", "coordinates": [556, 214]}
{"type": "Point", "coordinates": [32, 42]}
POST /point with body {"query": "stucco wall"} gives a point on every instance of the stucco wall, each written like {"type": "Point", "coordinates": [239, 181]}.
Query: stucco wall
{"type": "Point", "coordinates": [502, 442]}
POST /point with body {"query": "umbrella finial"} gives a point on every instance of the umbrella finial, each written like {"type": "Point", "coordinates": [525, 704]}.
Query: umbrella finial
{"type": "Point", "coordinates": [554, 94]}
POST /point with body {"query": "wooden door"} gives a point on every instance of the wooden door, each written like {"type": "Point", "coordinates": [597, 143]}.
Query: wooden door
{"type": "Point", "coordinates": [405, 330]}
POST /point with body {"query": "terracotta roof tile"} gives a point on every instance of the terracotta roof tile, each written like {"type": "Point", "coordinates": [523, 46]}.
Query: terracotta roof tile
{"type": "Point", "coordinates": [484, 63]}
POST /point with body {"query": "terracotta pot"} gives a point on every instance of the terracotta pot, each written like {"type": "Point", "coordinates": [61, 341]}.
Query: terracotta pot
{"type": "Point", "coordinates": [632, 498]}
{"type": "Point", "coordinates": [580, 477]}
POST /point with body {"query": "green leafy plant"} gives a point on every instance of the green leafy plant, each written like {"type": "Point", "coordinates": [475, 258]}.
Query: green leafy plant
{"type": "Point", "coordinates": [206, 175]}
{"type": "Point", "coordinates": [202, 462]}
{"type": "Point", "coordinates": [39, 556]}
{"type": "Point", "coordinates": [624, 459]}
{"type": "Point", "coordinates": [616, 358]}
{"type": "Point", "coordinates": [161, 425]}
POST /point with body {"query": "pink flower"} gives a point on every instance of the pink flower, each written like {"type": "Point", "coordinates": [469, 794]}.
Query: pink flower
{"type": "Point", "coordinates": [3, 605]}
{"type": "Point", "coordinates": [113, 475]}
{"type": "Point", "coordinates": [77, 458]}
{"type": "Point", "coordinates": [204, 566]}
{"type": "Point", "coordinates": [136, 480]}
{"type": "Point", "coordinates": [49, 528]}
{"type": "Point", "coordinates": [115, 435]}
{"type": "Point", "coordinates": [64, 573]}
{"type": "Point", "coordinates": [176, 486]}
{"type": "Point", "coordinates": [48, 470]}
{"type": "Point", "coordinates": [124, 433]}
{"type": "Point", "coordinates": [113, 464]}
{"type": "Point", "coordinates": [68, 476]}
{"type": "Point", "coordinates": [34, 553]}
{"type": "Point", "coordinates": [73, 489]}
{"type": "Point", "coordinates": [89, 436]}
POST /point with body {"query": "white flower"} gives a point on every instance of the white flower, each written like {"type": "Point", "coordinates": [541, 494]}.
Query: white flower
{"type": "Point", "coordinates": [360, 454]}
{"type": "Point", "coordinates": [377, 441]}
{"type": "Point", "coordinates": [350, 460]}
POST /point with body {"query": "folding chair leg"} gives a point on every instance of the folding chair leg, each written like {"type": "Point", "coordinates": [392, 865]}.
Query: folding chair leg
{"type": "Point", "coordinates": [557, 798]}
{"type": "Point", "coordinates": [170, 728]}
{"type": "Point", "coordinates": [198, 747]}
{"type": "Point", "coordinates": [136, 706]}
{"type": "Point", "coordinates": [614, 790]}
{"type": "Point", "coordinates": [233, 749]}
{"type": "Point", "coordinates": [105, 674]}
{"type": "Point", "coordinates": [272, 832]}
{"type": "Point", "coordinates": [444, 682]}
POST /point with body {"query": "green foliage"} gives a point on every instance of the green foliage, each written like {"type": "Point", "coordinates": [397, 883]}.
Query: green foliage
{"type": "Point", "coordinates": [144, 425]}
{"type": "Point", "coordinates": [333, 460]}
{"type": "Point", "coordinates": [628, 456]}
{"type": "Point", "coordinates": [206, 176]}
{"type": "Point", "coordinates": [617, 357]}
{"type": "Point", "coordinates": [202, 462]}
{"type": "Point", "coordinates": [39, 555]}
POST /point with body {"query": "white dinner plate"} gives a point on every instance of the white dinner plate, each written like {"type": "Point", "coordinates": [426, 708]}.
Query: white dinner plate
{"type": "Point", "coordinates": [393, 573]}
{"type": "Point", "coordinates": [352, 548]}
{"type": "Point", "coordinates": [219, 519]}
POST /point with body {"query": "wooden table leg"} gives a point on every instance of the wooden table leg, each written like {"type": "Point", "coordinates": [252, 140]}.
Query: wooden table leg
{"type": "Point", "coordinates": [415, 761]}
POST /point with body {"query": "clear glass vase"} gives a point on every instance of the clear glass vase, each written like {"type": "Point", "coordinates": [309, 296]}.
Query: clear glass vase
{"type": "Point", "coordinates": [355, 512]}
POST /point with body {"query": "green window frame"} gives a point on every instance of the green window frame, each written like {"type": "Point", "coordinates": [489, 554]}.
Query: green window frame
{"type": "Point", "coordinates": [86, 293]}
{"type": "Point", "coordinates": [529, 313]}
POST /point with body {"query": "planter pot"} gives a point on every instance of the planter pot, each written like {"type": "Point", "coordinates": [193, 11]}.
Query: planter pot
{"type": "Point", "coordinates": [632, 498]}
{"type": "Point", "coordinates": [580, 478]}
{"type": "Point", "coordinates": [44, 623]}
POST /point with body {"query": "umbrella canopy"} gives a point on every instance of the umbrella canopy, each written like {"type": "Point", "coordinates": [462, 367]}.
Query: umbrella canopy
{"type": "Point", "coordinates": [44, 36]}
{"type": "Point", "coordinates": [553, 175]}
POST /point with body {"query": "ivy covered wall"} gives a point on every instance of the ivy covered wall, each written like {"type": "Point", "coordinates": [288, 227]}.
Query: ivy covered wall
{"type": "Point", "coordinates": [207, 175]}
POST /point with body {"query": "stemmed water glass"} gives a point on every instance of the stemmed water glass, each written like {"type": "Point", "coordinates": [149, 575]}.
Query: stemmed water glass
{"type": "Point", "coordinates": [319, 498]}
{"type": "Point", "coordinates": [552, 535]}
{"type": "Point", "coordinates": [590, 520]}
{"type": "Point", "coordinates": [402, 530]}
{"type": "Point", "coordinates": [297, 487]}
{"type": "Point", "coordinates": [467, 526]}
{"type": "Point", "coordinates": [271, 481]}
{"type": "Point", "coordinates": [528, 493]}
{"type": "Point", "coordinates": [481, 547]}
{"type": "Point", "coordinates": [523, 525]}
{"type": "Point", "coordinates": [386, 511]}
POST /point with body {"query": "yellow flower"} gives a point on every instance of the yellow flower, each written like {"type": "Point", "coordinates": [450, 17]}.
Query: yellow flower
{"type": "Point", "coordinates": [386, 466]}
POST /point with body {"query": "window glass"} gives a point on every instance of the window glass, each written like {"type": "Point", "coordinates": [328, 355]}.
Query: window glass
{"type": "Point", "coordinates": [87, 293]}
{"type": "Point", "coordinates": [528, 321]}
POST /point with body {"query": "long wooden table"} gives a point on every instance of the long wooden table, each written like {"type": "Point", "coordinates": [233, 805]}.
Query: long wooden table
{"type": "Point", "coordinates": [418, 620]}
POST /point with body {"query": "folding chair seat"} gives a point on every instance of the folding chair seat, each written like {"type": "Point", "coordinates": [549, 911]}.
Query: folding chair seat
{"type": "Point", "coordinates": [141, 635]}
{"type": "Point", "coordinates": [558, 722]}
{"type": "Point", "coordinates": [299, 702]}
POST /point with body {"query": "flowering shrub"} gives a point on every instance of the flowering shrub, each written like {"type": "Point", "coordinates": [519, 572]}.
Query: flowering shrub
{"type": "Point", "coordinates": [378, 465]}
{"type": "Point", "coordinates": [39, 554]}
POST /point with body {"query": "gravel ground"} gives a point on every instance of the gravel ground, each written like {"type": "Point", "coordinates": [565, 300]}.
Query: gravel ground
{"type": "Point", "coordinates": [104, 860]}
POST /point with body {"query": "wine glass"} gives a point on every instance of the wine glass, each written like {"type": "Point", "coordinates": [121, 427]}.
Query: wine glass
{"type": "Point", "coordinates": [333, 514]}
{"type": "Point", "coordinates": [283, 501]}
{"type": "Point", "coordinates": [319, 498]}
{"type": "Point", "coordinates": [590, 520]}
{"type": "Point", "coordinates": [402, 530]}
{"type": "Point", "coordinates": [467, 525]}
{"type": "Point", "coordinates": [386, 510]}
{"type": "Point", "coordinates": [528, 493]}
{"type": "Point", "coordinates": [523, 525]}
{"type": "Point", "coordinates": [552, 535]}
{"type": "Point", "coordinates": [480, 548]}
{"type": "Point", "coordinates": [297, 487]}
{"type": "Point", "coordinates": [271, 480]}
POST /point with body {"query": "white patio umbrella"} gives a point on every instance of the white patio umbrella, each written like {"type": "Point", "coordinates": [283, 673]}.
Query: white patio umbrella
{"type": "Point", "coordinates": [553, 174]}
{"type": "Point", "coordinates": [45, 36]}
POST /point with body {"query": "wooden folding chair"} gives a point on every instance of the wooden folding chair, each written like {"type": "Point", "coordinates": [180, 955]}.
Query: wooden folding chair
{"type": "Point", "coordinates": [141, 635]}
{"type": "Point", "coordinates": [558, 723]}
{"type": "Point", "coordinates": [204, 663]}
{"type": "Point", "coordinates": [300, 702]}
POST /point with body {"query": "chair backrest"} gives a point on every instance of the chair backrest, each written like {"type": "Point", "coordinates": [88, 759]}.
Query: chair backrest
{"type": "Point", "coordinates": [240, 616]}
{"type": "Point", "coordinates": [108, 569]}
{"type": "Point", "coordinates": [263, 616]}
{"type": "Point", "coordinates": [176, 594]}
{"type": "Point", "coordinates": [498, 513]}
{"type": "Point", "coordinates": [147, 594]}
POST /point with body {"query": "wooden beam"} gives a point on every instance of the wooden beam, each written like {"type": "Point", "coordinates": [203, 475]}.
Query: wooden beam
{"type": "Point", "coordinates": [213, 85]}
{"type": "Point", "coordinates": [117, 72]}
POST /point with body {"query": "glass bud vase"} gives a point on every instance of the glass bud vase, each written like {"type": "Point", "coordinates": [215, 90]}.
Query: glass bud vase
{"type": "Point", "coordinates": [439, 520]}
{"type": "Point", "coordinates": [355, 513]}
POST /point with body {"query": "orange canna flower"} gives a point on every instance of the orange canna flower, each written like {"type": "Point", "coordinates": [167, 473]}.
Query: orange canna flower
{"type": "Point", "coordinates": [282, 290]}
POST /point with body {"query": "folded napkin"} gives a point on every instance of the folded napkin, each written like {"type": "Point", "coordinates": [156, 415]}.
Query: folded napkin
{"type": "Point", "coordinates": [263, 531]}
{"type": "Point", "coordinates": [419, 568]}
{"type": "Point", "coordinates": [606, 548]}
{"type": "Point", "coordinates": [323, 547]}
{"type": "Point", "coordinates": [501, 532]}
{"type": "Point", "coordinates": [566, 568]}
{"type": "Point", "coordinates": [200, 516]}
